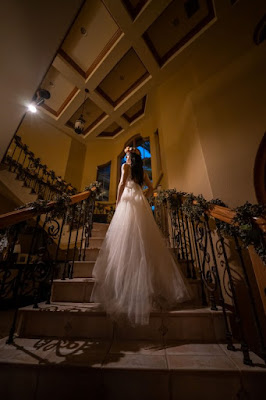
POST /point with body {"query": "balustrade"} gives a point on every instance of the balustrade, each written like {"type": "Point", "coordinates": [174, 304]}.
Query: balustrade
{"type": "Point", "coordinates": [212, 241]}
{"type": "Point", "coordinates": [58, 234]}
{"type": "Point", "coordinates": [35, 175]}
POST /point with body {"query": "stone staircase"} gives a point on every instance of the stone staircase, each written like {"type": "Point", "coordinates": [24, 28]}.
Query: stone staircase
{"type": "Point", "coordinates": [71, 348]}
{"type": "Point", "coordinates": [19, 194]}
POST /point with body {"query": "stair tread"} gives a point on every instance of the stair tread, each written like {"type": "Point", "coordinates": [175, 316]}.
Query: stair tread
{"type": "Point", "coordinates": [129, 355]}
{"type": "Point", "coordinates": [84, 262]}
{"type": "Point", "coordinates": [92, 307]}
{"type": "Point", "coordinates": [74, 280]}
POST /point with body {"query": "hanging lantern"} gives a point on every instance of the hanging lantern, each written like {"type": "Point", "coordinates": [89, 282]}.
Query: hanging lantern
{"type": "Point", "coordinates": [80, 122]}
{"type": "Point", "coordinates": [79, 125]}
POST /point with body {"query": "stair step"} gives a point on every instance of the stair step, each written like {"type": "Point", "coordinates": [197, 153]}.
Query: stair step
{"type": "Point", "coordinates": [95, 242]}
{"type": "Point", "coordinates": [100, 226]}
{"type": "Point", "coordinates": [81, 320]}
{"type": "Point", "coordinates": [41, 369]}
{"type": "Point", "coordinates": [76, 290]}
{"type": "Point", "coordinates": [99, 233]}
{"type": "Point", "coordinates": [83, 269]}
{"type": "Point", "coordinates": [91, 254]}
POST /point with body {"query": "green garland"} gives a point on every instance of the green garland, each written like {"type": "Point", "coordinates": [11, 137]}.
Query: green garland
{"type": "Point", "coordinates": [194, 211]}
{"type": "Point", "coordinates": [38, 205]}
{"type": "Point", "coordinates": [244, 227]}
{"type": "Point", "coordinates": [96, 193]}
{"type": "Point", "coordinates": [171, 196]}
{"type": "Point", "coordinates": [243, 224]}
{"type": "Point", "coordinates": [60, 208]}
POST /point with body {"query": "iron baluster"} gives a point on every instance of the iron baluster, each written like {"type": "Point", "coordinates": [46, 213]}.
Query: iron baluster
{"type": "Point", "coordinates": [86, 230]}
{"type": "Point", "coordinates": [253, 306]}
{"type": "Point", "coordinates": [194, 276]}
{"type": "Point", "coordinates": [56, 259]}
{"type": "Point", "coordinates": [68, 244]}
{"type": "Point", "coordinates": [83, 229]}
{"type": "Point", "coordinates": [76, 239]}
{"type": "Point", "coordinates": [244, 345]}
{"type": "Point", "coordinates": [203, 294]}
{"type": "Point", "coordinates": [185, 244]}
{"type": "Point", "coordinates": [10, 339]}
{"type": "Point", "coordinates": [220, 293]}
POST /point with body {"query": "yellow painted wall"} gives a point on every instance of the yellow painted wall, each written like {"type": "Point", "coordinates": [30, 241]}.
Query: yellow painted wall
{"type": "Point", "coordinates": [184, 162]}
{"type": "Point", "coordinates": [57, 150]}
{"type": "Point", "coordinates": [210, 125]}
{"type": "Point", "coordinates": [75, 163]}
{"type": "Point", "coordinates": [47, 142]}
{"type": "Point", "coordinates": [230, 110]}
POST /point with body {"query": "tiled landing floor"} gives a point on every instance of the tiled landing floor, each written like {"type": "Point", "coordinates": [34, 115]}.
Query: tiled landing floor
{"type": "Point", "coordinates": [36, 369]}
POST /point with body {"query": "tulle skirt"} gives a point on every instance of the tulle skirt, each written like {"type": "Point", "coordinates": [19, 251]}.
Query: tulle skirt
{"type": "Point", "coordinates": [135, 271]}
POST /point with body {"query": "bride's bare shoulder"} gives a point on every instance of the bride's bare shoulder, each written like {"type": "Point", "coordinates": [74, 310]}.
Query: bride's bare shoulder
{"type": "Point", "coordinates": [126, 167]}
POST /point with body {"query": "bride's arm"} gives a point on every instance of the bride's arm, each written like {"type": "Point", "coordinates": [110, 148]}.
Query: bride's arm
{"type": "Point", "coordinates": [149, 191]}
{"type": "Point", "coordinates": [124, 175]}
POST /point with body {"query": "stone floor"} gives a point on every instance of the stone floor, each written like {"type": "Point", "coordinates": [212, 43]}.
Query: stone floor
{"type": "Point", "coordinates": [36, 369]}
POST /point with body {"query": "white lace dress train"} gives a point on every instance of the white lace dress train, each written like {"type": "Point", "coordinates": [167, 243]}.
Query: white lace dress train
{"type": "Point", "coordinates": [134, 269]}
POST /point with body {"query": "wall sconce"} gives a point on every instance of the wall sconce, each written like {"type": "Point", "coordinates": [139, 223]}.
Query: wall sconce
{"type": "Point", "coordinates": [39, 98]}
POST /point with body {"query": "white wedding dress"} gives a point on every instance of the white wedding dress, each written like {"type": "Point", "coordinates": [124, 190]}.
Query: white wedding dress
{"type": "Point", "coordinates": [135, 271]}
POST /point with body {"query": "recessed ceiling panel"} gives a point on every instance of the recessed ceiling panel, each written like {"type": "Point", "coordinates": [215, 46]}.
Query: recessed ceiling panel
{"type": "Point", "coordinates": [92, 115]}
{"type": "Point", "coordinates": [61, 90]}
{"type": "Point", "coordinates": [178, 23]}
{"type": "Point", "coordinates": [127, 75]}
{"type": "Point", "coordinates": [134, 6]}
{"type": "Point", "coordinates": [135, 111]}
{"type": "Point", "coordinates": [111, 131]}
{"type": "Point", "coordinates": [91, 37]}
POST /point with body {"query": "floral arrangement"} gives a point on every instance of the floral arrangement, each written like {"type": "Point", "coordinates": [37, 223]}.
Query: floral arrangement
{"type": "Point", "coordinates": [129, 149]}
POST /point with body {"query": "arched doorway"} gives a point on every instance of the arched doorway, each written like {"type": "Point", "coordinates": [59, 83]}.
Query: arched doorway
{"type": "Point", "coordinates": [143, 144]}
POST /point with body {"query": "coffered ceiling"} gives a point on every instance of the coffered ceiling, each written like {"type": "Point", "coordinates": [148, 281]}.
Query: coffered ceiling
{"type": "Point", "coordinates": [118, 50]}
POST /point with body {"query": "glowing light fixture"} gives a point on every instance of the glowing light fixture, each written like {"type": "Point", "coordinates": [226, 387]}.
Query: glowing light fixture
{"type": "Point", "coordinates": [32, 108]}
{"type": "Point", "coordinates": [39, 98]}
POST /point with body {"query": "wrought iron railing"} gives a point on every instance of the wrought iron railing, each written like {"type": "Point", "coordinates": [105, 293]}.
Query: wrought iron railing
{"type": "Point", "coordinates": [104, 211]}
{"type": "Point", "coordinates": [34, 174]}
{"type": "Point", "coordinates": [51, 235]}
{"type": "Point", "coordinates": [213, 243]}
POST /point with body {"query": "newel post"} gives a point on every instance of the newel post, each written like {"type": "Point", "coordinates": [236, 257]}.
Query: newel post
{"type": "Point", "coordinates": [259, 270]}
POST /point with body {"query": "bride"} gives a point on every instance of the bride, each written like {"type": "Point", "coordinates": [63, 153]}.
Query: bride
{"type": "Point", "coordinates": [135, 271]}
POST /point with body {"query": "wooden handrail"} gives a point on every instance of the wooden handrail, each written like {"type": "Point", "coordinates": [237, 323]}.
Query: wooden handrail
{"type": "Point", "coordinates": [225, 214]}
{"type": "Point", "coordinates": [14, 217]}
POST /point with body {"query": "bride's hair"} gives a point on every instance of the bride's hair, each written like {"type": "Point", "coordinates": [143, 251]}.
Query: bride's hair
{"type": "Point", "coordinates": [136, 168]}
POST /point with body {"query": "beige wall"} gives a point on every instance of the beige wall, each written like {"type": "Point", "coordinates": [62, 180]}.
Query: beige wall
{"type": "Point", "coordinates": [184, 162]}
{"type": "Point", "coordinates": [209, 130]}
{"type": "Point", "coordinates": [75, 163]}
{"type": "Point", "coordinates": [230, 110]}
{"type": "Point", "coordinates": [46, 142]}
{"type": "Point", "coordinates": [57, 150]}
